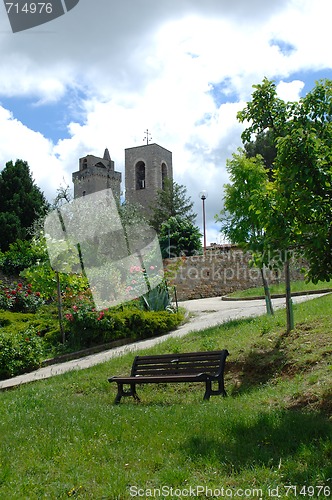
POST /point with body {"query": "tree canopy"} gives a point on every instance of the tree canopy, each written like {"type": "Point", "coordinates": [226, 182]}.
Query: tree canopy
{"type": "Point", "coordinates": [178, 237]}
{"type": "Point", "coordinates": [301, 212]}
{"type": "Point", "coordinates": [279, 202]}
{"type": "Point", "coordinates": [172, 201]}
{"type": "Point", "coordinates": [21, 202]}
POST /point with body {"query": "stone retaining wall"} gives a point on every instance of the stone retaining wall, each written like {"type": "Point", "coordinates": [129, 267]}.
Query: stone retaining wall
{"type": "Point", "coordinates": [215, 275]}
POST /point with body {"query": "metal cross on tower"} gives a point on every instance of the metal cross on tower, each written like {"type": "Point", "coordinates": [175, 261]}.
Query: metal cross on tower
{"type": "Point", "coordinates": [147, 136]}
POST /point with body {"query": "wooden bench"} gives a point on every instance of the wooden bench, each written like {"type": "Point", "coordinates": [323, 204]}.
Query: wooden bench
{"type": "Point", "coordinates": [205, 367]}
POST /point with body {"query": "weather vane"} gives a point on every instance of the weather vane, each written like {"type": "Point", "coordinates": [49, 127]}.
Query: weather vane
{"type": "Point", "coordinates": [147, 136]}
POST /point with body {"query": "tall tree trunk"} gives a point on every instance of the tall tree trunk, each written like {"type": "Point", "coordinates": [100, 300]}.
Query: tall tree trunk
{"type": "Point", "coordinates": [60, 315]}
{"type": "Point", "coordinates": [268, 301]}
{"type": "Point", "coordinates": [289, 303]}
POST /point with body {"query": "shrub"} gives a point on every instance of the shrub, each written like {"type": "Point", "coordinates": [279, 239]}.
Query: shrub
{"type": "Point", "coordinates": [20, 298]}
{"type": "Point", "coordinates": [43, 277]}
{"type": "Point", "coordinates": [20, 352]}
{"type": "Point", "coordinates": [21, 254]}
{"type": "Point", "coordinates": [89, 327]}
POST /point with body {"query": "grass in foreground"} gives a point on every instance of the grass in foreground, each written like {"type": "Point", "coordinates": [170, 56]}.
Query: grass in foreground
{"type": "Point", "coordinates": [279, 288]}
{"type": "Point", "coordinates": [63, 437]}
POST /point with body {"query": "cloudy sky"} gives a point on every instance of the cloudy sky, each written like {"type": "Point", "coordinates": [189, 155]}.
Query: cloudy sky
{"type": "Point", "coordinates": [106, 71]}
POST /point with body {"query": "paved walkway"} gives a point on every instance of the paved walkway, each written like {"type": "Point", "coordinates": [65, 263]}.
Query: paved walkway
{"type": "Point", "coordinates": [204, 314]}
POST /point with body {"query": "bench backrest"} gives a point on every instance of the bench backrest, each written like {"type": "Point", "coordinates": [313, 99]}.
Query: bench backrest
{"type": "Point", "coordinates": [209, 362]}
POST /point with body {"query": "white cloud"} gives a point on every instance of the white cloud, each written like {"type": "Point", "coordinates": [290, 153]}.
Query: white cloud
{"type": "Point", "coordinates": [146, 64]}
{"type": "Point", "coordinates": [290, 91]}
{"type": "Point", "coordinates": [19, 142]}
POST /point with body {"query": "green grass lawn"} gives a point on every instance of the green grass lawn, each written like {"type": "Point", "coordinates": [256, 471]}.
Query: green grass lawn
{"type": "Point", "coordinates": [63, 437]}
{"type": "Point", "coordinates": [296, 286]}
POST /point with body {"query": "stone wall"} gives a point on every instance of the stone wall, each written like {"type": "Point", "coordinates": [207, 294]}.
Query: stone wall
{"type": "Point", "coordinates": [217, 274]}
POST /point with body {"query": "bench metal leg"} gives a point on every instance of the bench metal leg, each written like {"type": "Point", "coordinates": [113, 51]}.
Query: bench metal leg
{"type": "Point", "coordinates": [210, 392]}
{"type": "Point", "coordinates": [122, 393]}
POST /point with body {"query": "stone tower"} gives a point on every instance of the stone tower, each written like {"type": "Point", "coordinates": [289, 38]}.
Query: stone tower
{"type": "Point", "coordinates": [146, 169]}
{"type": "Point", "coordinates": [96, 174]}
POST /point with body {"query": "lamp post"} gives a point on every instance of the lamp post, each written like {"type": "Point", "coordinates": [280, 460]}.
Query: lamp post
{"type": "Point", "coordinates": [203, 195]}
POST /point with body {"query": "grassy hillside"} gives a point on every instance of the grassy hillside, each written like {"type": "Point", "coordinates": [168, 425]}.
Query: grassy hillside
{"type": "Point", "coordinates": [63, 437]}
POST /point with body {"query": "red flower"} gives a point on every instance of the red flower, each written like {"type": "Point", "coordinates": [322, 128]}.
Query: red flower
{"type": "Point", "coordinates": [101, 315]}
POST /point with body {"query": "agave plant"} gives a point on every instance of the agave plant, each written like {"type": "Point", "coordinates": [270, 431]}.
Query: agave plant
{"type": "Point", "coordinates": [157, 299]}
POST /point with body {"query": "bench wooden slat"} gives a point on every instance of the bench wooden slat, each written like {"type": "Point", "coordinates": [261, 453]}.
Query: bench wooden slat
{"type": "Point", "coordinates": [175, 371]}
{"type": "Point", "coordinates": [206, 366]}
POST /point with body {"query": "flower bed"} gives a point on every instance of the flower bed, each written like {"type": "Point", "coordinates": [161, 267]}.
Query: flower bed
{"type": "Point", "coordinates": [20, 298]}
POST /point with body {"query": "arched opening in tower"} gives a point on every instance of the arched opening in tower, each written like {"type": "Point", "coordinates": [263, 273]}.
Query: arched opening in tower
{"type": "Point", "coordinates": [140, 175]}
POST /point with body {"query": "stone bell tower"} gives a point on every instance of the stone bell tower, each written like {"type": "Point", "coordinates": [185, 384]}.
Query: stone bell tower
{"type": "Point", "coordinates": [146, 169]}
{"type": "Point", "coordinates": [96, 174]}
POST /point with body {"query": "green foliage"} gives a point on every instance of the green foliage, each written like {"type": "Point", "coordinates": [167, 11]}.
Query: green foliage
{"type": "Point", "coordinates": [21, 203]}
{"type": "Point", "coordinates": [179, 236]}
{"type": "Point", "coordinates": [131, 213]}
{"type": "Point", "coordinates": [157, 299]}
{"type": "Point", "coordinates": [171, 201]}
{"type": "Point", "coordinates": [20, 352]}
{"type": "Point", "coordinates": [301, 216]}
{"type": "Point", "coordinates": [20, 298]}
{"type": "Point", "coordinates": [263, 145]}
{"type": "Point", "coordinates": [247, 205]}
{"type": "Point", "coordinates": [20, 255]}
{"type": "Point", "coordinates": [43, 278]}
{"type": "Point", "coordinates": [59, 437]}
{"type": "Point", "coordinates": [88, 327]}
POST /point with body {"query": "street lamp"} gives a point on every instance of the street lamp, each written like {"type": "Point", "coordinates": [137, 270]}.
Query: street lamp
{"type": "Point", "coordinates": [203, 195]}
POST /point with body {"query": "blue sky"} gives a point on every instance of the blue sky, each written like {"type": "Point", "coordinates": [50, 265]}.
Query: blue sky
{"type": "Point", "coordinates": [103, 73]}
{"type": "Point", "coordinates": [49, 118]}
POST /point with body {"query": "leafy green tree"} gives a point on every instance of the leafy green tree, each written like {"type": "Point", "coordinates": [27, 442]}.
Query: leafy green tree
{"type": "Point", "coordinates": [178, 237]}
{"type": "Point", "coordinates": [132, 213]}
{"type": "Point", "coordinates": [246, 206]}
{"type": "Point", "coordinates": [300, 219]}
{"type": "Point", "coordinates": [21, 203]}
{"type": "Point", "coordinates": [263, 145]}
{"type": "Point", "coordinates": [303, 169]}
{"type": "Point", "coordinates": [172, 201]}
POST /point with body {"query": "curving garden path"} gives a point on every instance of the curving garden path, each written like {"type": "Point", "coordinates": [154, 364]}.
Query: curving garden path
{"type": "Point", "coordinates": [204, 313]}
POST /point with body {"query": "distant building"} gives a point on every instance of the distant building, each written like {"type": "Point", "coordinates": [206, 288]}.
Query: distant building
{"type": "Point", "coordinates": [96, 174]}
{"type": "Point", "coordinates": [146, 168]}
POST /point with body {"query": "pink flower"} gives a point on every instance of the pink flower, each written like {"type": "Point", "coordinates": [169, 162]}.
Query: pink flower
{"type": "Point", "coordinates": [101, 315]}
